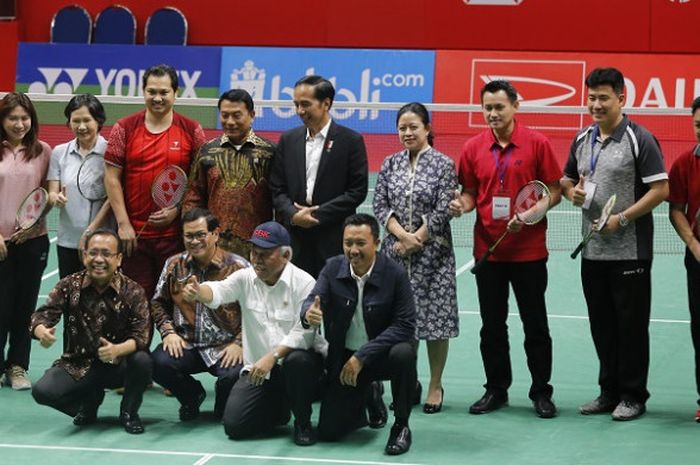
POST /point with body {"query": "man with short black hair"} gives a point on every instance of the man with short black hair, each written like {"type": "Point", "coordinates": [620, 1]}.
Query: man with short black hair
{"type": "Point", "coordinates": [106, 331]}
{"type": "Point", "coordinates": [365, 302]}
{"type": "Point", "coordinates": [283, 361]}
{"type": "Point", "coordinates": [230, 175]}
{"type": "Point", "coordinates": [140, 146]}
{"type": "Point", "coordinates": [319, 176]}
{"type": "Point", "coordinates": [615, 156]}
{"type": "Point", "coordinates": [684, 200]}
{"type": "Point", "coordinates": [197, 338]}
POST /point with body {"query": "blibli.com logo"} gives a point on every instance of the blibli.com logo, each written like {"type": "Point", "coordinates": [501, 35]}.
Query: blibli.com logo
{"type": "Point", "coordinates": [113, 81]}
{"type": "Point", "coordinates": [255, 81]}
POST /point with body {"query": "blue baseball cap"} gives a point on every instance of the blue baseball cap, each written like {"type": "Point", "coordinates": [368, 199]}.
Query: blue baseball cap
{"type": "Point", "coordinates": [269, 235]}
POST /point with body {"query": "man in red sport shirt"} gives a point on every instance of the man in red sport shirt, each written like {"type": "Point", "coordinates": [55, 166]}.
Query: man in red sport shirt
{"type": "Point", "coordinates": [493, 166]}
{"type": "Point", "coordinates": [140, 146]}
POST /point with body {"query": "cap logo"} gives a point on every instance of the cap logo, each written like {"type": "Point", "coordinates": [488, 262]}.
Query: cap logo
{"type": "Point", "coordinates": [261, 233]}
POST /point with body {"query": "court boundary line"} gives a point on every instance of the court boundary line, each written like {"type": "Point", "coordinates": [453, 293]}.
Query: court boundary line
{"type": "Point", "coordinates": [202, 455]}
{"type": "Point", "coordinates": [580, 317]}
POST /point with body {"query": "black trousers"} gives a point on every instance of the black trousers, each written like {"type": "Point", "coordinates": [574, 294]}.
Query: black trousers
{"type": "Point", "coordinates": [618, 295]}
{"type": "Point", "coordinates": [693, 274]}
{"type": "Point", "coordinates": [20, 280]}
{"type": "Point", "coordinates": [529, 282]}
{"type": "Point", "coordinates": [68, 261]}
{"type": "Point", "coordinates": [251, 410]}
{"type": "Point", "coordinates": [59, 390]}
{"type": "Point", "coordinates": [343, 408]}
{"type": "Point", "coordinates": [176, 374]}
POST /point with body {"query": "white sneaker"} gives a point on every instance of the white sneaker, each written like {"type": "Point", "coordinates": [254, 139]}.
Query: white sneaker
{"type": "Point", "coordinates": [16, 376]}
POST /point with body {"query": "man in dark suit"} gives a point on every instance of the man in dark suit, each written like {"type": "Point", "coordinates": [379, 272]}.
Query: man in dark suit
{"type": "Point", "coordinates": [319, 176]}
{"type": "Point", "coordinates": [365, 302]}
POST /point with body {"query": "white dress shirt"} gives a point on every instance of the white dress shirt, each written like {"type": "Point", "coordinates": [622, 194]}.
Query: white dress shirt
{"type": "Point", "coordinates": [314, 151]}
{"type": "Point", "coordinates": [269, 314]}
{"type": "Point", "coordinates": [356, 336]}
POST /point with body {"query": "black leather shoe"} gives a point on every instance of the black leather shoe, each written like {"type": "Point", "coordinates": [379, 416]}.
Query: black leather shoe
{"type": "Point", "coordinates": [376, 409]}
{"type": "Point", "coordinates": [190, 411]}
{"type": "Point", "coordinates": [131, 423]}
{"type": "Point", "coordinates": [434, 408]}
{"type": "Point", "coordinates": [544, 407]}
{"type": "Point", "coordinates": [488, 403]}
{"type": "Point", "coordinates": [399, 440]}
{"type": "Point", "coordinates": [87, 415]}
{"type": "Point", "coordinates": [304, 434]}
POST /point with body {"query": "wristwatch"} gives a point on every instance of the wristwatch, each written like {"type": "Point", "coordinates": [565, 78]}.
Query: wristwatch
{"type": "Point", "coordinates": [276, 355]}
{"type": "Point", "coordinates": [622, 219]}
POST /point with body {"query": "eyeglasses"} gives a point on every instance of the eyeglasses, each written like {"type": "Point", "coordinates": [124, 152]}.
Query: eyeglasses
{"type": "Point", "coordinates": [94, 253]}
{"type": "Point", "coordinates": [198, 236]}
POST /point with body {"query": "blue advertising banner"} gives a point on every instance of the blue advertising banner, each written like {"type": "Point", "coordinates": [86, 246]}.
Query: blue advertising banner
{"type": "Point", "coordinates": [104, 69]}
{"type": "Point", "coordinates": [357, 75]}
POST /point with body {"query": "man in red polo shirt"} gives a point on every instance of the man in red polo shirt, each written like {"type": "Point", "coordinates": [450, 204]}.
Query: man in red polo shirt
{"type": "Point", "coordinates": [140, 146]}
{"type": "Point", "coordinates": [493, 166]}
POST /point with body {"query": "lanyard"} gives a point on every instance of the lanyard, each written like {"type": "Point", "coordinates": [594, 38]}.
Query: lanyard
{"type": "Point", "coordinates": [594, 155]}
{"type": "Point", "coordinates": [501, 162]}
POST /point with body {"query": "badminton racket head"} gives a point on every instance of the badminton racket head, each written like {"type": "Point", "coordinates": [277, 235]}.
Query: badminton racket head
{"type": "Point", "coordinates": [532, 202]}
{"type": "Point", "coordinates": [605, 213]}
{"type": "Point", "coordinates": [169, 186]}
{"type": "Point", "coordinates": [32, 208]}
{"type": "Point", "coordinates": [91, 184]}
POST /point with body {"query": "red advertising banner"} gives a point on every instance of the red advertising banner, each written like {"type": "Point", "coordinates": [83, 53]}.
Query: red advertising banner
{"type": "Point", "coordinates": [558, 79]}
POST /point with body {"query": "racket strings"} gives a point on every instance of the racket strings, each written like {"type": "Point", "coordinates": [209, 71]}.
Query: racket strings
{"type": "Point", "coordinates": [91, 178]}
{"type": "Point", "coordinates": [169, 187]}
{"type": "Point", "coordinates": [532, 203]}
{"type": "Point", "coordinates": [32, 208]}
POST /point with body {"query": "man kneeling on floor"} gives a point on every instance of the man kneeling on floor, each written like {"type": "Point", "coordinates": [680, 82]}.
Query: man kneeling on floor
{"type": "Point", "coordinates": [365, 303]}
{"type": "Point", "coordinates": [197, 338]}
{"type": "Point", "coordinates": [282, 360]}
{"type": "Point", "coordinates": [107, 328]}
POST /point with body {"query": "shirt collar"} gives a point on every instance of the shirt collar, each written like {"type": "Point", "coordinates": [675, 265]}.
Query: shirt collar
{"type": "Point", "coordinates": [250, 138]}
{"type": "Point", "coordinates": [514, 137]}
{"type": "Point", "coordinates": [115, 283]}
{"type": "Point", "coordinates": [696, 152]}
{"type": "Point", "coordinates": [323, 133]}
{"type": "Point", "coordinates": [19, 148]}
{"type": "Point", "coordinates": [364, 277]}
{"type": "Point", "coordinates": [619, 131]}
{"type": "Point", "coordinates": [216, 262]}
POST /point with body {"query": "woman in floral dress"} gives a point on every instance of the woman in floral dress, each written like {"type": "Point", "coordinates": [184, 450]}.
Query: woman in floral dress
{"type": "Point", "coordinates": [413, 190]}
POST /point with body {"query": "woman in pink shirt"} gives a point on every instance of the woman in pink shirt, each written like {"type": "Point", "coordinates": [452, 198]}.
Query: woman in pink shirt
{"type": "Point", "coordinates": [24, 161]}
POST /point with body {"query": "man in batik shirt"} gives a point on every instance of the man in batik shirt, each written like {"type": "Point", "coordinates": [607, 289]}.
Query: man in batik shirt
{"type": "Point", "coordinates": [196, 338]}
{"type": "Point", "coordinates": [230, 174]}
{"type": "Point", "coordinates": [106, 328]}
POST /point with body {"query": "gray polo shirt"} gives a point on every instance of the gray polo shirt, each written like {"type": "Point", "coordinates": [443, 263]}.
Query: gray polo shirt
{"type": "Point", "coordinates": [627, 162]}
{"type": "Point", "coordinates": [76, 215]}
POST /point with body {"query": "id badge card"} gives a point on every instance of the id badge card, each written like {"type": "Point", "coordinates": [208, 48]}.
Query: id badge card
{"type": "Point", "coordinates": [500, 207]}
{"type": "Point", "coordinates": [590, 188]}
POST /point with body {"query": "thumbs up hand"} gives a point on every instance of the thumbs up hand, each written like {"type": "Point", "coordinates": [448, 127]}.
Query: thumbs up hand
{"type": "Point", "coordinates": [314, 315]}
{"type": "Point", "coordinates": [455, 207]}
{"type": "Point", "coordinates": [578, 193]}
{"type": "Point", "coordinates": [108, 352]}
{"type": "Point", "coordinates": [191, 290]}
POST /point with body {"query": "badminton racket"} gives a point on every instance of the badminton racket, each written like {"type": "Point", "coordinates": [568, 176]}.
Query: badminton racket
{"type": "Point", "coordinates": [32, 209]}
{"type": "Point", "coordinates": [167, 190]}
{"type": "Point", "coordinates": [597, 226]}
{"type": "Point", "coordinates": [91, 183]}
{"type": "Point", "coordinates": [531, 204]}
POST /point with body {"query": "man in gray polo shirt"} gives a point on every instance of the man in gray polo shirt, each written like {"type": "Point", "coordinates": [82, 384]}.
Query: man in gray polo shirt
{"type": "Point", "coordinates": [616, 156]}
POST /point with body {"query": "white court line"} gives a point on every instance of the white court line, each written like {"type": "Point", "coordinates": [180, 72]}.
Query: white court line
{"type": "Point", "coordinates": [195, 454]}
{"type": "Point", "coordinates": [204, 460]}
{"type": "Point", "coordinates": [49, 274]}
{"type": "Point", "coordinates": [581, 317]}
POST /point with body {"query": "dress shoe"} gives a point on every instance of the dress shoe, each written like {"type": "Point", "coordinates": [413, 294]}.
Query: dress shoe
{"type": "Point", "coordinates": [304, 434]}
{"type": "Point", "coordinates": [544, 407]}
{"type": "Point", "coordinates": [399, 440]}
{"type": "Point", "coordinates": [488, 403]}
{"type": "Point", "coordinates": [434, 408]}
{"type": "Point", "coordinates": [131, 423]}
{"type": "Point", "coordinates": [628, 410]}
{"type": "Point", "coordinates": [190, 410]}
{"type": "Point", "coordinates": [376, 409]}
{"type": "Point", "coordinates": [601, 404]}
{"type": "Point", "coordinates": [87, 414]}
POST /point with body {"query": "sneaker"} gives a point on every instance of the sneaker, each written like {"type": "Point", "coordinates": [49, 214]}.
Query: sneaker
{"type": "Point", "coordinates": [16, 376]}
{"type": "Point", "coordinates": [600, 404]}
{"type": "Point", "coordinates": [628, 410]}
